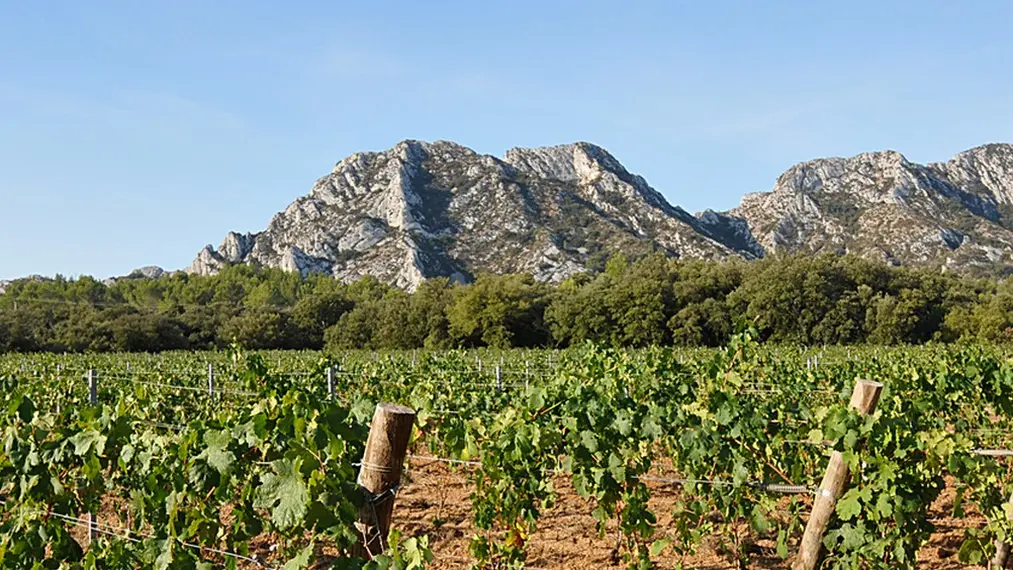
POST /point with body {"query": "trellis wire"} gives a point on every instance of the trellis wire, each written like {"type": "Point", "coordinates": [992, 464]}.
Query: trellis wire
{"type": "Point", "coordinates": [125, 533]}
{"type": "Point", "coordinates": [769, 487]}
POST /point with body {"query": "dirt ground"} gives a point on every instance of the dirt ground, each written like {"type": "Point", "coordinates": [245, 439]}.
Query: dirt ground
{"type": "Point", "coordinates": [435, 502]}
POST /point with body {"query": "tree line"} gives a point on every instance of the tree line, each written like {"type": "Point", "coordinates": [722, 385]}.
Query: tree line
{"type": "Point", "coordinates": [652, 300]}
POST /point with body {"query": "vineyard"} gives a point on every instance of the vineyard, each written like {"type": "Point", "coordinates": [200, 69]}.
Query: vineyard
{"type": "Point", "coordinates": [236, 460]}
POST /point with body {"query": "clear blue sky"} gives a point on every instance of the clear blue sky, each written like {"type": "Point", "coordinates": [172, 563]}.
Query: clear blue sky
{"type": "Point", "coordinates": [133, 133]}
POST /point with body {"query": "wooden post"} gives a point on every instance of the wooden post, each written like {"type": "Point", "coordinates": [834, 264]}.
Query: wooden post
{"type": "Point", "coordinates": [1002, 552]}
{"type": "Point", "coordinates": [380, 474]}
{"type": "Point", "coordinates": [92, 387]}
{"type": "Point", "coordinates": [93, 400]}
{"type": "Point", "coordinates": [330, 382]}
{"type": "Point", "coordinates": [211, 380]}
{"type": "Point", "coordinates": [864, 399]}
{"type": "Point", "coordinates": [499, 379]}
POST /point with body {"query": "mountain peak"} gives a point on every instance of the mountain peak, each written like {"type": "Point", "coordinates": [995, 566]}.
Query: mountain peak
{"type": "Point", "coordinates": [880, 205]}
{"type": "Point", "coordinates": [566, 162]}
{"type": "Point", "coordinates": [985, 170]}
{"type": "Point", "coordinates": [425, 209]}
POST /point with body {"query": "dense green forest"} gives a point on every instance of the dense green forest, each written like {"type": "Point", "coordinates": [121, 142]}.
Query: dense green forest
{"type": "Point", "coordinates": [650, 301]}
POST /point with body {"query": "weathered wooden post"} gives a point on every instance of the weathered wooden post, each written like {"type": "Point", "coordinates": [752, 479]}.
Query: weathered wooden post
{"type": "Point", "coordinates": [380, 474]}
{"type": "Point", "coordinates": [92, 387]}
{"type": "Point", "coordinates": [1002, 557]}
{"type": "Point", "coordinates": [330, 382]}
{"type": "Point", "coordinates": [864, 399]}
{"type": "Point", "coordinates": [499, 379]}
{"type": "Point", "coordinates": [211, 380]}
{"type": "Point", "coordinates": [93, 400]}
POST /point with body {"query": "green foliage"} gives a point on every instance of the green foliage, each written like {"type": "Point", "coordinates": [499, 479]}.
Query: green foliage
{"type": "Point", "coordinates": [281, 464]}
{"type": "Point", "coordinates": [276, 453]}
{"type": "Point", "coordinates": [499, 311]}
{"type": "Point", "coordinates": [644, 300]}
{"type": "Point", "coordinates": [405, 554]}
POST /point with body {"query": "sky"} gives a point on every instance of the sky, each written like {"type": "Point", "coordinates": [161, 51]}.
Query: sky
{"type": "Point", "coordinates": [134, 133]}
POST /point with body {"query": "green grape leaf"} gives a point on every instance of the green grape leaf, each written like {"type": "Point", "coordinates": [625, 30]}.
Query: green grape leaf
{"type": "Point", "coordinates": [217, 453]}
{"type": "Point", "coordinates": [26, 409]}
{"type": "Point", "coordinates": [971, 552]}
{"type": "Point", "coordinates": [849, 507]}
{"type": "Point", "coordinates": [658, 546]}
{"type": "Point", "coordinates": [284, 492]}
{"type": "Point", "coordinates": [88, 440]}
{"type": "Point", "coordinates": [622, 423]}
{"type": "Point", "coordinates": [301, 560]}
{"type": "Point", "coordinates": [164, 559]}
{"type": "Point", "coordinates": [782, 544]}
{"type": "Point", "coordinates": [884, 506]}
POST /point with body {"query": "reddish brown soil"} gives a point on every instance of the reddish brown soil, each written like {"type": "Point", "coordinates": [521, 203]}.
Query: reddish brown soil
{"type": "Point", "coordinates": [435, 502]}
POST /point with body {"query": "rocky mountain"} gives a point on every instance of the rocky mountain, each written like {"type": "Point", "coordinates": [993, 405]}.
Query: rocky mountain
{"type": "Point", "coordinates": [957, 214]}
{"type": "Point", "coordinates": [148, 272]}
{"type": "Point", "coordinates": [439, 209]}
{"type": "Point", "coordinates": [421, 210]}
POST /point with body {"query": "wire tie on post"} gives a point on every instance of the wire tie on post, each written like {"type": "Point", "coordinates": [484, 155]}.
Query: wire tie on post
{"type": "Point", "coordinates": [375, 467]}
{"type": "Point", "coordinates": [381, 497]}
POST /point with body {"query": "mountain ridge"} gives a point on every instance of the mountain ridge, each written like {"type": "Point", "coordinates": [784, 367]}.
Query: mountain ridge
{"type": "Point", "coordinates": [427, 209]}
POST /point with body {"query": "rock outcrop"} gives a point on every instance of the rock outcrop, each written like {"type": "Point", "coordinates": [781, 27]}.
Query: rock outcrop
{"type": "Point", "coordinates": [957, 214]}
{"type": "Point", "coordinates": [149, 272]}
{"type": "Point", "coordinates": [422, 210]}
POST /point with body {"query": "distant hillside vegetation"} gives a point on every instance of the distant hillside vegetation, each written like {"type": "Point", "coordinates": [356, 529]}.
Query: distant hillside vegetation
{"type": "Point", "coordinates": [653, 300]}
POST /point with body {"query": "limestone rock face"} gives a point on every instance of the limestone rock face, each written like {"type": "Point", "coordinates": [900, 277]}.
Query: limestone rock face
{"type": "Point", "coordinates": [148, 272]}
{"type": "Point", "coordinates": [879, 205]}
{"type": "Point", "coordinates": [422, 210]}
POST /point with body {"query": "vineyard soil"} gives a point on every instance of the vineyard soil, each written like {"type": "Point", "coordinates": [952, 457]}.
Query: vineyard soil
{"type": "Point", "coordinates": [436, 503]}
{"type": "Point", "coordinates": [263, 464]}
